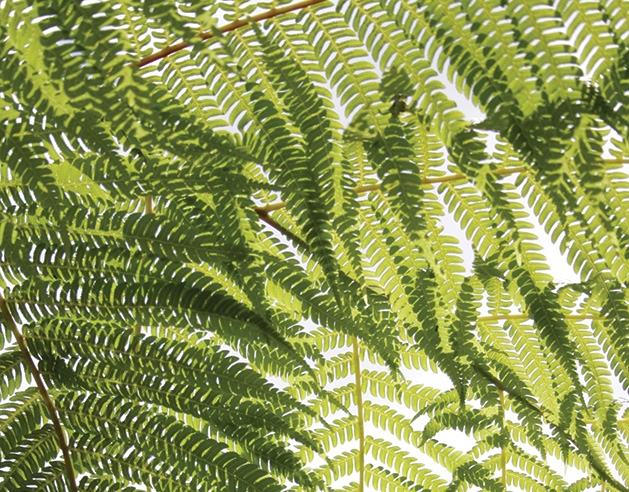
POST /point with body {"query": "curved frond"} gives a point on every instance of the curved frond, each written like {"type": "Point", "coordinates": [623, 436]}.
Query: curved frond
{"type": "Point", "coordinates": [314, 245]}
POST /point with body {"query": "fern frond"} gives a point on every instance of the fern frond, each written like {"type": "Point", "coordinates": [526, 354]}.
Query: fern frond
{"type": "Point", "coordinates": [230, 252]}
{"type": "Point", "coordinates": [28, 457]}
{"type": "Point", "coordinates": [173, 442]}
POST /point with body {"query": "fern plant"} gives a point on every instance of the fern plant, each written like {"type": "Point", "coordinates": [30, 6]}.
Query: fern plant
{"type": "Point", "coordinates": [262, 245]}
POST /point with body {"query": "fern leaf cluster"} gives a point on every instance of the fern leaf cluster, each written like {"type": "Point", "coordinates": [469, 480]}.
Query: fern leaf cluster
{"type": "Point", "coordinates": [326, 245]}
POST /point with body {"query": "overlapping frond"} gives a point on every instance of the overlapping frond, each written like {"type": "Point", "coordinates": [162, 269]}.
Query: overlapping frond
{"type": "Point", "coordinates": [262, 245]}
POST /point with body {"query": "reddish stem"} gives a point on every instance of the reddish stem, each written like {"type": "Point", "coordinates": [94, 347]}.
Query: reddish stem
{"type": "Point", "coordinates": [42, 391]}
{"type": "Point", "coordinates": [232, 26]}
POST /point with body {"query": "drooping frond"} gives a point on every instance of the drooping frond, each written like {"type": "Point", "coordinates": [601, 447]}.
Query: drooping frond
{"type": "Point", "coordinates": [323, 245]}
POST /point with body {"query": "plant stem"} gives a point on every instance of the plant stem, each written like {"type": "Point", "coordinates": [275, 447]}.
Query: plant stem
{"type": "Point", "coordinates": [520, 316]}
{"type": "Point", "coordinates": [425, 181]}
{"type": "Point", "coordinates": [42, 391]}
{"type": "Point", "coordinates": [503, 451]}
{"type": "Point", "coordinates": [594, 422]}
{"type": "Point", "coordinates": [232, 26]}
{"type": "Point", "coordinates": [148, 204]}
{"type": "Point", "coordinates": [359, 417]}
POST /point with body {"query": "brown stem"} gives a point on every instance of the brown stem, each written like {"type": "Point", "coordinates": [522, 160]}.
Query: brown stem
{"type": "Point", "coordinates": [42, 391]}
{"type": "Point", "coordinates": [232, 26]}
{"type": "Point", "coordinates": [264, 217]}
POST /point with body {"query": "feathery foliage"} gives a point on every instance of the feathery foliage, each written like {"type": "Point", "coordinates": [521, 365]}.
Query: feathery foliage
{"type": "Point", "coordinates": [260, 245]}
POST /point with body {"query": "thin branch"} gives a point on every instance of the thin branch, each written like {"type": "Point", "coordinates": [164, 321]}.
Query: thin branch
{"type": "Point", "coordinates": [264, 217]}
{"type": "Point", "coordinates": [265, 209]}
{"type": "Point", "coordinates": [595, 422]}
{"type": "Point", "coordinates": [519, 316]}
{"type": "Point", "coordinates": [503, 451]}
{"type": "Point", "coordinates": [232, 26]}
{"type": "Point", "coordinates": [359, 416]}
{"type": "Point", "coordinates": [148, 204]}
{"type": "Point", "coordinates": [42, 391]}
{"type": "Point", "coordinates": [425, 181]}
